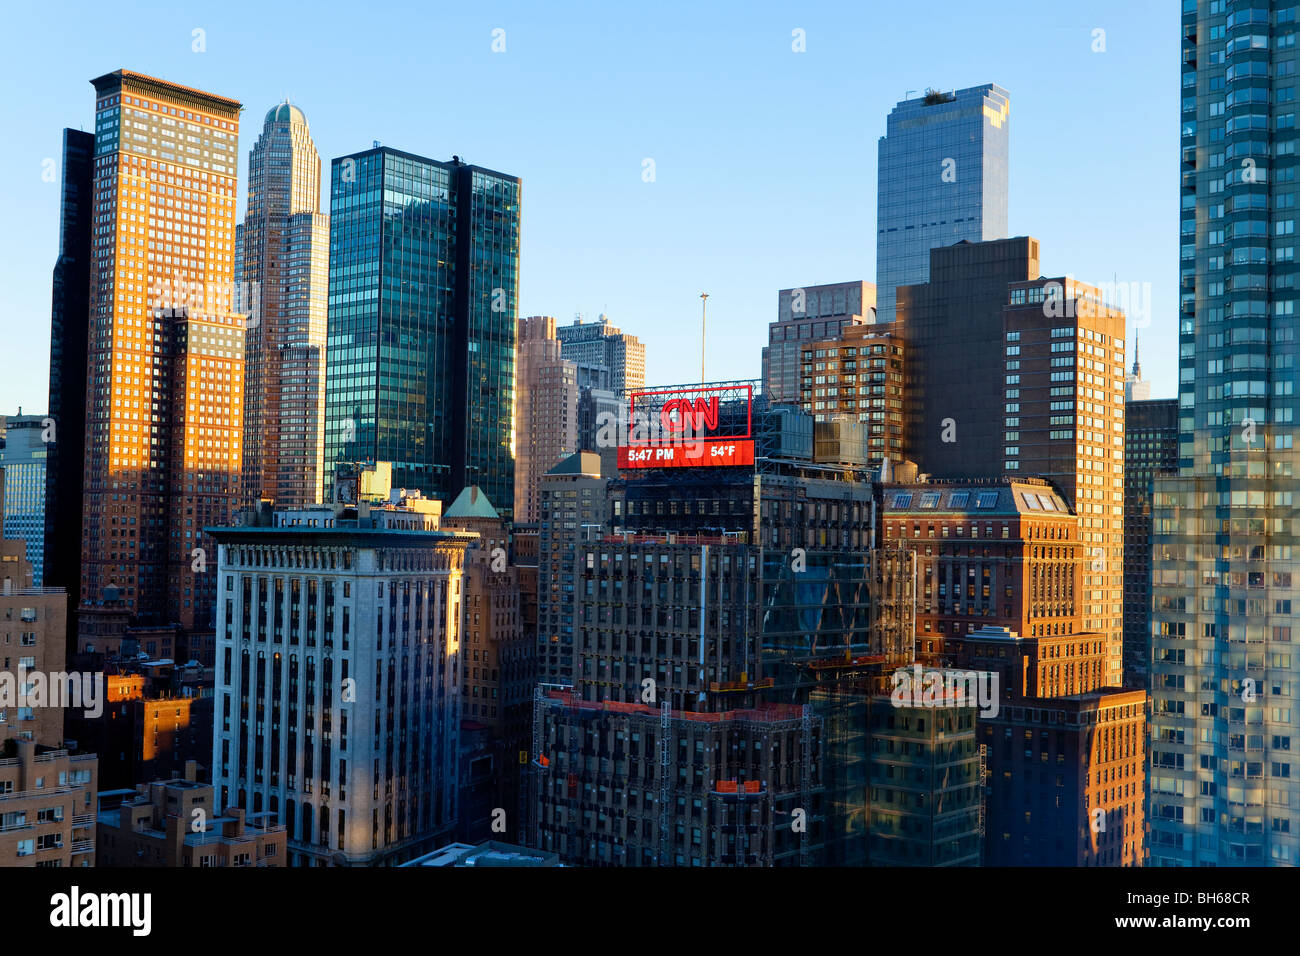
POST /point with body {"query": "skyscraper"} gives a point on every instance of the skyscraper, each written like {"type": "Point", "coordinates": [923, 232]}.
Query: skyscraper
{"type": "Point", "coordinates": [364, 630]}
{"type": "Point", "coordinates": [573, 508]}
{"type": "Point", "coordinates": [1136, 388]}
{"type": "Point", "coordinates": [1150, 449]}
{"type": "Point", "coordinates": [546, 411]}
{"type": "Point", "coordinates": [23, 457]}
{"type": "Point", "coordinates": [601, 343]}
{"type": "Point", "coordinates": [952, 326]}
{"type": "Point", "coordinates": [166, 353]}
{"type": "Point", "coordinates": [1012, 373]}
{"type": "Point", "coordinates": [942, 178]}
{"type": "Point", "coordinates": [424, 277]}
{"type": "Point", "coordinates": [69, 315]}
{"type": "Point", "coordinates": [805, 315]}
{"type": "Point", "coordinates": [1225, 782]}
{"type": "Point", "coordinates": [281, 269]}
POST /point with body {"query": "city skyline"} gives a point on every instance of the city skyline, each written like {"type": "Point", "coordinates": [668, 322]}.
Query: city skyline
{"type": "Point", "coordinates": [645, 271]}
{"type": "Point", "coordinates": [939, 577]}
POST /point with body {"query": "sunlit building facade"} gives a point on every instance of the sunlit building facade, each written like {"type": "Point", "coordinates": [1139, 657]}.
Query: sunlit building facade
{"type": "Point", "coordinates": [281, 269]}
{"type": "Point", "coordinates": [166, 351]}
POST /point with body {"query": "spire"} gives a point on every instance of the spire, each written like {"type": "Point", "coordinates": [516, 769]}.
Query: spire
{"type": "Point", "coordinates": [1137, 347]}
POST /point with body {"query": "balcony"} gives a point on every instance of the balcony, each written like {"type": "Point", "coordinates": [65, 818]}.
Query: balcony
{"type": "Point", "coordinates": [83, 846]}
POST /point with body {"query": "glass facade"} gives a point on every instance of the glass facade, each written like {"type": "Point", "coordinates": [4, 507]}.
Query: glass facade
{"type": "Point", "coordinates": [69, 315]}
{"type": "Point", "coordinates": [1224, 782]}
{"type": "Point", "coordinates": [23, 459]}
{"type": "Point", "coordinates": [423, 280]}
{"type": "Point", "coordinates": [942, 178]}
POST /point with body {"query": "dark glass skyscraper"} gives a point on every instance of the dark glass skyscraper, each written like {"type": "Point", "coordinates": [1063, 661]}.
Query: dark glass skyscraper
{"type": "Point", "coordinates": [424, 277]}
{"type": "Point", "coordinates": [942, 178]}
{"type": "Point", "coordinates": [1225, 669]}
{"type": "Point", "coordinates": [69, 318]}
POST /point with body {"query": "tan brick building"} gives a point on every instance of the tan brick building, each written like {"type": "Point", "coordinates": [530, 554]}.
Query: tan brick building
{"type": "Point", "coordinates": [174, 823]}
{"type": "Point", "coordinates": [546, 410]}
{"type": "Point", "coordinates": [47, 799]}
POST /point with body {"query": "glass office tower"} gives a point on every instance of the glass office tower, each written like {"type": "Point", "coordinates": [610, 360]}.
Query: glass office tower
{"type": "Point", "coordinates": [423, 283]}
{"type": "Point", "coordinates": [942, 178]}
{"type": "Point", "coordinates": [1225, 782]}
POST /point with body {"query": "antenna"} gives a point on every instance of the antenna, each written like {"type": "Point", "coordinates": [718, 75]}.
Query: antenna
{"type": "Point", "coordinates": [704, 307]}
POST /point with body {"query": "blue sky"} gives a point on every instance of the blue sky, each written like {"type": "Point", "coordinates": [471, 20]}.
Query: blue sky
{"type": "Point", "coordinates": [765, 159]}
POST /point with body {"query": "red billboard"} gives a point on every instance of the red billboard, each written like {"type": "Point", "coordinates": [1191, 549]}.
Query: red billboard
{"type": "Point", "coordinates": [684, 427]}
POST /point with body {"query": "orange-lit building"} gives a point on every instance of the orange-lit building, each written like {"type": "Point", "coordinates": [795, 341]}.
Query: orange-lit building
{"type": "Point", "coordinates": [1065, 780]}
{"type": "Point", "coordinates": [1065, 754]}
{"type": "Point", "coordinates": [165, 352]}
{"type": "Point", "coordinates": [996, 553]}
{"type": "Point", "coordinates": [146, 732]}
{"type": "Point", "coordinates": [1029, 667]}
{"type": "Point", "coordinates": [859, 376]}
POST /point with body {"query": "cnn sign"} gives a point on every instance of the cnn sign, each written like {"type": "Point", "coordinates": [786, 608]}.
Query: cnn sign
{"type": "Point", "coordinates": [689, 427]}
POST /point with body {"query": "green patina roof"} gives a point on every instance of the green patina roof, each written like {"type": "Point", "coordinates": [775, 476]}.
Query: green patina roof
{"type": "Point", "coordinates": [472, 503]}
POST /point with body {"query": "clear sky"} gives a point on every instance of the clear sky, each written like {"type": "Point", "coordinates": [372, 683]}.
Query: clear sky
{"type": "Point", "coordinates": [764, 158]}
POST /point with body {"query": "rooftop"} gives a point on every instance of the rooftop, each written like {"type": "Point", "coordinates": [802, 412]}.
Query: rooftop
{"type": "Point", "coordinates": [472, 502]}
{"type": "Point", "coordinates": [286, 113]}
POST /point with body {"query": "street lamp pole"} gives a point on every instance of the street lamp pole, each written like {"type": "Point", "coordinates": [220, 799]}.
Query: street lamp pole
{"type": "Point", "coordinates": [704, 306]}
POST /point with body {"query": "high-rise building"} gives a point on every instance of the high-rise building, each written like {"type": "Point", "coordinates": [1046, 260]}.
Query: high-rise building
{"type": "Point", "coordinates": [924, 795]}
{"type": "Point", "coordinates": [1063, 391]}
{"type": "Point", "coordinates": [942, 178]}
{"type": "Point", "coordinates": [1015, 374]}
{"type": "Point", "coordinates": [343, 626]}
{"type": "Point", "coordinates": [1225, 780]}
{"type": "Point", "coordinates": [281, 268]}
{"type": "Point", "coordinates": [1150, 449]}
{"type": "Point", "coordinates": [24, 459]}
{"type": "Point", "coordinates": [803, 316]}
{"type": "Point", "coordinates": [1136, 388]}
{"type": "Point", "coordinates": [546, 410]}
{"type": "Point", "coordinates": [603, 344]}
{"type": "Point", "coordinates": [500, 665]}
{"type": "Point", "coordinates": [573, 509]}
{"type": "Point", "coordinates": [424, 280]}
{"type": "Point", "coordinates": [1064, 754]}
{"type": "Point", "coordinates": [733, 602]}
{"type": "Point", "coordinates": [662, 802]}
{"type": "Point", "coordinates": [996, 553]}
{"type": "Point", "coordinates": [1066, 780]}
{"type": "Point", "coordinates": [47, 793]}
{"type": "Point", "coordinates": [860, 376]}
{"type": "Point", "coordinates": [952, 326]}
{"type": "Point", "coordinates": [166, 353]}
{"type": "Point", "coordinates": [69, 323]}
